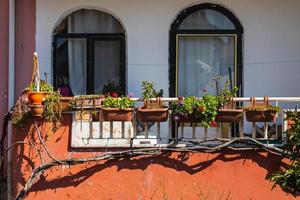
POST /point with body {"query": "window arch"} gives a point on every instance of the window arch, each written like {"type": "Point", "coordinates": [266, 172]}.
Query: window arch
{"type": "Point", "coordinates": [88, 51]}
{"type": "Point", "coordinates": [205, 44]}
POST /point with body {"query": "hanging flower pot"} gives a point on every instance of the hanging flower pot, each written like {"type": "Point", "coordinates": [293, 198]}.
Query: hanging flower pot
{"type": "Point", "coordinates": [36, 110]}
{"type": "Point", "coordinates": [228, 114]}
{"type": "Point", "coordinates": [36, 98]}
{"type": "Point", "coordinates": [153, 111]}
{"type": "Point", "coordinates": [263, 112]}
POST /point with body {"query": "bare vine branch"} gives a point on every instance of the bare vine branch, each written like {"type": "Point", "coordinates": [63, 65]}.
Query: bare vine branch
{"type": "Point", "coordinates": [142, 152]}
{"type": "Point", "coordinates": [43, 142]}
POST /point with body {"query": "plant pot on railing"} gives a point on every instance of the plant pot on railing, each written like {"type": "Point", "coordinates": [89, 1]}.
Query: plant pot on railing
{"type": "Point", "coordinates": [195, 110]}
{"type": "Point", "coordinates": [261, 112]}
{"type": "Point", "coordinates": [117, 114]}
{"type": "Point", "coordinates": [153, 111]}
{"type": "Point", "coordinates": [65, 103]}
{"type": "Point", "coordinates": [229, 114]}
{"type": "Point", "coordinates": [117, 109]}
{"type": "Point", "coordinates": [87, 101]}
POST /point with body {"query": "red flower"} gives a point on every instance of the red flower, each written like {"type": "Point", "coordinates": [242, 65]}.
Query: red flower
{"type": "Point", "coordinates": [213, 124]}
{"type": "Point", "coordinates": [114, 94]}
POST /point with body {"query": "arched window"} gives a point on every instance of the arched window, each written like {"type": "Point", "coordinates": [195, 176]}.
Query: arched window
{"type": "Point", "coordinates": [88, 51]}
{"type": "Point", "coordinates": [205, 51]}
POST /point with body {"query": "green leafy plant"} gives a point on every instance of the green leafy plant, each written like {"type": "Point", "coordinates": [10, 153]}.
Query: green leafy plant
{"type": "Point", "coordinates": [204, 109]}
{"type": "Point", "coordinates": [122, 103]}
{"type": "Point", "coordinates": [289, 179]}
{"type": "Point", "coordinates": [226, 94]}
{"type": "Point", "coordinates": [148, 90]}
{"type": "Point", "coordinates": [44, 87]}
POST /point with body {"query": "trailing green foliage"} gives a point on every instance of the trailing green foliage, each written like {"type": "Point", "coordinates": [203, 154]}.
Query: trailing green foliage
{"type": "Point", "coordinates": [122, 103]}
{"type": "Point", "coordinates": [289, 179]}
{"type": "Point", "coordinates": [52, 112]}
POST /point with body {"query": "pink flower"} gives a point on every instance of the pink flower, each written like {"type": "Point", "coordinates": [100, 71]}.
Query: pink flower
{"type": "Point", "coordinates": [131, 95]}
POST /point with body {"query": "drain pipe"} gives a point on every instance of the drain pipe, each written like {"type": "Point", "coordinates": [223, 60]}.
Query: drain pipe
{"type": "Point", "coordinates": [11, 91]}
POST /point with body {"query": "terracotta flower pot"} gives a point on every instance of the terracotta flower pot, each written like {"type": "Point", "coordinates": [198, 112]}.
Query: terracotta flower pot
{"type": "Point", "coordinates": [260, 115]}
{"type": "Point", "coordinates": [229, 115]}
{"type": "Point", "coordinates": [153, 115]}
{"type": "Point", "coordinates": [260, 112]}
{"type": "Point", "coordinates": [36, 98]}
{"type": "Point", "coordinates": [116, 114]}
{"type": "Point", "coordinates": [153, 111]}
{"type": "Point", "coordinates": [64, 103]}
{"type": "Point", "coordinates": [36, 110]}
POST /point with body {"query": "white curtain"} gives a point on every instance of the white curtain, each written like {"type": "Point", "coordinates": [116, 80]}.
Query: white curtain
{"type": "Point", "coordinates": [201, 60]}
{"type": "Point", "coordinates": [77, 65]}
{"type": "Point", "coordinates": [86, 21]}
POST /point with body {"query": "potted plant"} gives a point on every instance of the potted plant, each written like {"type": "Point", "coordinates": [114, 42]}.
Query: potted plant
{"type": "Point", "coordinates": [194, 110]}
{"type": "Point", "coordinates": [117, 109]}
{"type": "Point", "coordinates": [261, 112]}
{"type": "Point", "coordinates": [37, 90]}
{"type": "Point", "coordinates": [152, 110]}
{"type": "Point", "coordinates": [227, 112]}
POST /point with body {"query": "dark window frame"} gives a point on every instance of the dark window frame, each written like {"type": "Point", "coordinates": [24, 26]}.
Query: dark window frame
{"type": "Point", "coordinates": [91, 37]}
{"type": "Point", "coordinates": [174, 31]}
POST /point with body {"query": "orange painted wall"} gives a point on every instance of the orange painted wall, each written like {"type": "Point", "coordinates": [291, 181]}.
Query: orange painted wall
{"type": "Point", "coordinates": [237, 174]}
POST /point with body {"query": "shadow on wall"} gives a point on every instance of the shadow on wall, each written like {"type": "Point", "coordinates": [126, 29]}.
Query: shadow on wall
{"type": "Point", "coordinates": [167, 160]}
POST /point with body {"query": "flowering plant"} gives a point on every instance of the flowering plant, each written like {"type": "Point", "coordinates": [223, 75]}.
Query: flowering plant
{"type": "Point", "coordinates": [204, 109]}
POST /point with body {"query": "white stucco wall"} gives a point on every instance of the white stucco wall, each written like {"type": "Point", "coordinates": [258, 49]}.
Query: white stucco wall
{"type": "Point", "coordinates": [271, 39]}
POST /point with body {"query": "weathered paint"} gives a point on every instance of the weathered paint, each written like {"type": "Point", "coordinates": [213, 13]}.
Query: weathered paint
{"type": "Point", "coordinates": [25, 43]}
{"type": "Point", "coordinates": [237, 174]}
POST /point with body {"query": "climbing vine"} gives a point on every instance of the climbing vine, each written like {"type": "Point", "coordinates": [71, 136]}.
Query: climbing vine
{"type": "Point", "coordinates": [289, 179]}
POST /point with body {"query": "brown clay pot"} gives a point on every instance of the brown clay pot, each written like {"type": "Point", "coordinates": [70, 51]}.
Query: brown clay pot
{"type": "Point", "coordinates": [229, 115]}
{"type": "Point", "coordinates": [265, 114]}
{"type": "Point", "coordinates": [153, 111]}
{"type": "Point", "coordinates": [36, 110]}
{"type": "Point", "coordinates": [36, 98]}
{"type": "Point", "coordinates": [260, 116]}
{"type": "Point", "coordinates": [64, 103]}
{"type": "Point", "coordinates": [116, 114]}
{"type": "Point", "coordinates": [153, 115]}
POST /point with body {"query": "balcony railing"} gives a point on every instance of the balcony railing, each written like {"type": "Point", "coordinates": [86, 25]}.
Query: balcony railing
{"type": "Point", "coordinates": [88, 132]}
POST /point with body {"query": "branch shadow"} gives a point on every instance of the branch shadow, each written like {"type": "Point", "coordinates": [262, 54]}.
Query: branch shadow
{"type": "Point", "coordinates": [167, 160]}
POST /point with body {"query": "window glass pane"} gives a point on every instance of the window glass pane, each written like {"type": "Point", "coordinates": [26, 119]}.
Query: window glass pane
{"type": "Point", "coordinates": [206, 19]}
{"type": "Point", "coordinates": [107, 63]}
{"type": "Point", "coordinates": [92, 21]}
{"type": "Point", "coordinates": [201, 59]}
